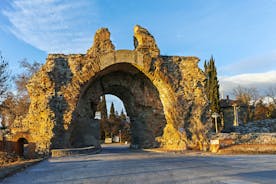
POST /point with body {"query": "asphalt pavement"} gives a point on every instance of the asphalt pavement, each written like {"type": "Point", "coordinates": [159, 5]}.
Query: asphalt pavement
{"type": "Point", "coordinates": [118, 164]}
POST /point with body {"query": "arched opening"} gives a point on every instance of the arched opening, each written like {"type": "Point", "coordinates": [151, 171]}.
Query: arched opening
{"type": "Point", "coordinates": [22, 147]}
{"type": "Point", "coordinates": [114, 121]}
{"type": "Point", "coordinates": [141, 100]}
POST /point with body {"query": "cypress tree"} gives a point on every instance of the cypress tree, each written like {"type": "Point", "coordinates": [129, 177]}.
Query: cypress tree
{"type": "Point", "coordinates": [102, 108]}
{"type": "Point", "coordinates": [112, 115]}
{"type": "Point", "coordinates": [206, 71]}
{"type": "Point", "coordinates": [205, 66]}
{"type": "Point", "coordinates": [122, 115]}
{"type": "Point", "coordinates": [212, 85]}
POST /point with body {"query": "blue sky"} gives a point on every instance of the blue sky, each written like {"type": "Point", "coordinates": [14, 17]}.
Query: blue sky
{"type": "Point", "coordinates": [239, 34]}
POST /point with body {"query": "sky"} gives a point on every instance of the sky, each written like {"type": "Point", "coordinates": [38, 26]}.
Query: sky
{"type": "Point", "coordinates": [239, 34]}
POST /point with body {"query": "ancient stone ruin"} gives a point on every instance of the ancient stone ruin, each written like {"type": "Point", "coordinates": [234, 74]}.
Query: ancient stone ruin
{"type": "Point", "coordinates": [163, 95]}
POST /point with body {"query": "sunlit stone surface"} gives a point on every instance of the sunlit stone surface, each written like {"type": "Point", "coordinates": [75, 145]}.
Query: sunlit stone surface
{"type": "Point", "coordinates": [163, 95]}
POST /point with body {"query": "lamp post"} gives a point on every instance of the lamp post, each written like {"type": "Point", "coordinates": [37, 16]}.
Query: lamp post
{"type": "Point", "coordinates": [215, 116]}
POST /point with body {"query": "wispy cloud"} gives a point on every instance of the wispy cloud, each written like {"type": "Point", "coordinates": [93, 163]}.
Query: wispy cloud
{"type": "Point", "coordinates": [262, 62]}
{"type": "Point", "coordinates": [53, 25]}
{"type": "Point", "coordinates": [261, 81]}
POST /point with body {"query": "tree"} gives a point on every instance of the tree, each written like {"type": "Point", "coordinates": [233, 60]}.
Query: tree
{"type": "Point", "coordinates": [212, 85]}
{"type": "Point", "coordinates": [271, 94]}
{"type": "Point", "coordinates": [272, 110]}
{"type": "Point", "coordinates": [21, 80]}
{"type": "Point", "coordinates": [17, 105]}
{"type": "Point", "coordinates": [104, 124]}
{"type": "Point", "coordinates": [102, 108]}
{"type": "Point", "coordinates": [107, 125]}
{"type": "Point", "coordinates": [261, 111]}
{"type": "Point", "coordinates": [248, 97]}
{"type": "Point", "coordinates": [112, 115]}
{"type": "Point", "coordinates": [122, 115]}
{"type": "Point", "coordinates": [3, 86]}
{"type": "Point", "coordinates": [116, 124]}
{"type": "Point", "coordinates": [3, 77]}
{"type": "Point", "coordinates": [7, 110]}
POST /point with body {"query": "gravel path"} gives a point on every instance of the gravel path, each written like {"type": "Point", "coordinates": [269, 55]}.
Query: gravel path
{"type": "Point", "coordinates": [117, 164]}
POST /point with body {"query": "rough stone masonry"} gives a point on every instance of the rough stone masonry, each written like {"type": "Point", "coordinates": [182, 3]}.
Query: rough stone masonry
{"type": "Point", "coordinates": [163, 95]}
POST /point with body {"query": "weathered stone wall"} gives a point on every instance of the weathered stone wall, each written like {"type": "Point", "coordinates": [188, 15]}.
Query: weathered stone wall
{"type": "Point", "coordinates": [248, 138]}
{"type": "Point", "coordinates": [253, 137]}
{"type": "Point", "coordinates": [173, 92]}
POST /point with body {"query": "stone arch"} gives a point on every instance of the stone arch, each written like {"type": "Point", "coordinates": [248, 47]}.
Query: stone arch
{"type": "Point", "coordinates": [58, 88]}
{"type": "Point", "coordinates": [141, 99]}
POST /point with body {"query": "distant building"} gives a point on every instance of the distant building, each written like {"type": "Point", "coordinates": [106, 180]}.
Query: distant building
{"type": "Point", "coordinates": [227, 110]}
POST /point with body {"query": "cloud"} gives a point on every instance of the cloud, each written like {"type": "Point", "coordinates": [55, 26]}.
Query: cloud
{"type": "Point", "coordinates": [260, 81]}
{"type": "Point", "coordinates": [53, 25]}
{"type": "Point", "coordinates": [258, 63]}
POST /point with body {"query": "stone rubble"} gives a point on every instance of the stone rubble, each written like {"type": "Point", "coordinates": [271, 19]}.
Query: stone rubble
{"type": "Point", "coordinates": [260, 126]}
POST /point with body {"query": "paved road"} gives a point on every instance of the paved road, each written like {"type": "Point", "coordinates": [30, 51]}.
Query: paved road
{"type": "Point", "coordinates": [117, 164]}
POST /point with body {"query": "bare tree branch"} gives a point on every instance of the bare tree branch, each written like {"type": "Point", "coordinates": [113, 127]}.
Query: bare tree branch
{"type": "Point", "coordinates": [271, 93]}
{"type": "Point", "coordinates": [3, 76]}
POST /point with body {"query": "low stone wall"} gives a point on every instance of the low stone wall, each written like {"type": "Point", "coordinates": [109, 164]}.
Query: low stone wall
{"type": "Point", "coordinates": [248, 138]}
{"type": "Point", "coordinates": [249, 142]}
{"type": "Point", "coordinates": [74, 151]}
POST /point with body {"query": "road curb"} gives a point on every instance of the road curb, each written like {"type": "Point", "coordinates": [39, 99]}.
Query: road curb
{"type": "Point", "coordinates": [74, 151]}
{"type": "Point", "coordinates": [184, 152]}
